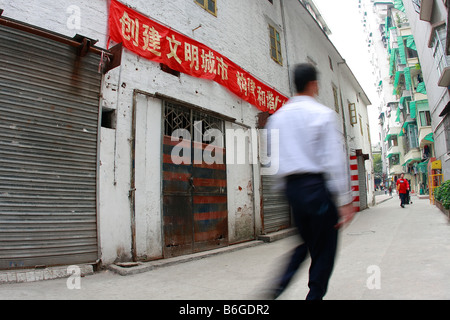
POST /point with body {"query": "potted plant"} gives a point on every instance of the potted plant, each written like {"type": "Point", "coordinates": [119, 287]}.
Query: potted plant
{"type": "Point", "coordinates": [442, 197]}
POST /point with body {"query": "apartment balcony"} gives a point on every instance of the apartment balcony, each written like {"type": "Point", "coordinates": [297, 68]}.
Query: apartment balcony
{"type": "Point", "coordinates": [404, 31]}
{"type": "Point", "coordinates": [444, 80]}
{"type": "Point", "coordinates": [400, 20]}
{"type": "Point", "coordinates": [412, 62]}
{"type": "Point", "coordinates": [393, 159]}
{"type": "Point", "coordinates": [393, 150]}
{"type": "Point", "coordinates": [395, 170]}
{"type": "Point", "coordinates": [393, 131]}
{"type": "Point", "coordinates": [413, 155]}
{"type": "Point", "coordinates": [419, 96]}
{"type": "Point", "coordinates": [424, 134]}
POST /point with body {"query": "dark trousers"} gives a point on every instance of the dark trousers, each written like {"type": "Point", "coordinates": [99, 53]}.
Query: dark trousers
{"type": "Point", "coordinates": [315, 216]}
{"type": "Point", "coordinates": [403, 198]}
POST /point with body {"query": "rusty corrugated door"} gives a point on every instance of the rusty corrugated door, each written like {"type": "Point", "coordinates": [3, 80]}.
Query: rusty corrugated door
{"type": "Point", "coordinates": [195, 216]}
{"type": "Point", "coordinates": [178, 225]}
{"type": "Point", "coordinates": [49, 112]}
{"type": "Point", "coordinates": [210, 203]}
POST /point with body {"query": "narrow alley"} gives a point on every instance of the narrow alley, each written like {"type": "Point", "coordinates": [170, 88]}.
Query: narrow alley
{"type": "Point", "coordinates": [386, 253]}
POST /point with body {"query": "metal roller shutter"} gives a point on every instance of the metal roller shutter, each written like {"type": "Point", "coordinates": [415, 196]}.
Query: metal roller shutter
{"type": "Point", "coordinates": [49, 111]}
{"type": "Point", "coordinates": [276, 210]}
{"type": "Point", "coordinates": [362, 183]}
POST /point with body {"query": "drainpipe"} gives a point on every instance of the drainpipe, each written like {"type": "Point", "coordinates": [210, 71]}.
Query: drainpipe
{"type": "Point", "coordinates": [342, 105]}
{"type": "Point", "coordinates": [347, 150]}
{"type": "Point", "coordinates": [283, 19]}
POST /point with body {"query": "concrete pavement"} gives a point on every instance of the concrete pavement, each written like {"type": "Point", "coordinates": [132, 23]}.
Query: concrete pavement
{"type": "Point", "coordinates": [386, 253]}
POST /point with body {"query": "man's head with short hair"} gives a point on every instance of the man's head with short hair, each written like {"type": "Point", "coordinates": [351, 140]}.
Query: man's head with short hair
{"type": "Point", "coordinates": [305, 79]}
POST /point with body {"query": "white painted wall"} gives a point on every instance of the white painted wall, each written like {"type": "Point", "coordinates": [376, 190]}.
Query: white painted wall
{"type": "Point", "coordinates": [308, 43]}
{"type": "Point", "coordinates": [243, 217]}
{"type": "Point", "coordinates": [148, 177]}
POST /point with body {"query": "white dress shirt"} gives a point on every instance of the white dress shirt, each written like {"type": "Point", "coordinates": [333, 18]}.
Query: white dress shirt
{"type": "Point", "coordinates": [310, 142]}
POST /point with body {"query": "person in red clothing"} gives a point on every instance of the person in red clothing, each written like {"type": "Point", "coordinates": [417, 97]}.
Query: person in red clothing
{"type": "Point", "coordinates": [402, 188]}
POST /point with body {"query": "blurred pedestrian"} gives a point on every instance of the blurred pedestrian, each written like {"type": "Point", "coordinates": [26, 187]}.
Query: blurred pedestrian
{"type": "Point", "coordinates": [313, 166]}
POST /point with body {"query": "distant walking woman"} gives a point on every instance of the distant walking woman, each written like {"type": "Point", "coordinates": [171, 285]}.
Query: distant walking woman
{"type": "Point", "coordinates": [402, 188]}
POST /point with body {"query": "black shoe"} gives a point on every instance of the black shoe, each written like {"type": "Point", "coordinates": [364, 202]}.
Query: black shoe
{"type": "Point", "coordinates": [402, 205]}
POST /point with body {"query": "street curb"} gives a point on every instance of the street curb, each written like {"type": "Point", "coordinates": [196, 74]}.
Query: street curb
{"type": "Point", "coordinates": [271, 237]}
{"type": "Point", "coordinates": [41, 274]}
{"type": "Point", "coordinates": [126, 269]}
{"type": "Point", "coordinates": [384, 200]}
{"type": "Point", "coordinates": [132, 268]}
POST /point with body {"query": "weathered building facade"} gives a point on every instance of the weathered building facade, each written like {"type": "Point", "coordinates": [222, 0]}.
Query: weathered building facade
{"type": "Point", "coordinates": [411, 36]}
{"type": "Point", "coordinates": [429, 26]}
{"type": "Point", "coordinates": [109, 154]}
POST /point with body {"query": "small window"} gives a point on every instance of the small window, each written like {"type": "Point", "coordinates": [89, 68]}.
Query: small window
{"type": "Point", "coordinates": [208, 5]}
{"type": "Point", "coordinates": [108, 118]}
{"type": "Point", "coordinates": [425, 118]}
{"type": "Point", "coordinates": [439, 43]}
{"type": "Point", "coordinates": [331, 63]}
{"type": "Point", "coordinates": [393, 142]}
{"type": "Point", "coordinates": [169, 70]}
{"type": "Point", "coordinates": [394, 160]}
{"type": "Point", "coordinates": [275, 45]}
{"type": "Point", "coordinates": [352, 112]}
{"type": "Point", "coordinates": [271, 1]}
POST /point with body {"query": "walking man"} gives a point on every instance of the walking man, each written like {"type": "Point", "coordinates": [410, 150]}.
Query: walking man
{"type": "Point", "coordinates": [402, 188]}
{"type": "Point", "coordinates": [314, 169]}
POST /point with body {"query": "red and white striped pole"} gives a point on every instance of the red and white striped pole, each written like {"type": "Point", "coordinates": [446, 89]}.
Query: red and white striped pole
{"type": "Point", "coordinates": [354, 181]}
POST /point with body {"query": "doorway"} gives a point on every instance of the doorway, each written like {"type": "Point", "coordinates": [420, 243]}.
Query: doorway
{"type": "Point", "coordinates": [195, 215]}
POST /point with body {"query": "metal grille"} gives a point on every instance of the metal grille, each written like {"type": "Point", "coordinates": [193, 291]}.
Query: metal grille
{"type": "Point", "coordinates": [205, 123]}
{"type": "Point", "coordinates": [176, 117]}
{"type": "Point", "coordinates": [49, 103]}
{"type": "Point", "coordinates": [195, 122]}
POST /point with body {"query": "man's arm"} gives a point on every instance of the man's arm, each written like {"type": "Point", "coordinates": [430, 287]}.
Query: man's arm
{"type": "Point", "coordinates": [346, 214]}
{"type": "Point", "coordinates": [335, 162]}
{"type": "Point", "coordinates": [337, 171]}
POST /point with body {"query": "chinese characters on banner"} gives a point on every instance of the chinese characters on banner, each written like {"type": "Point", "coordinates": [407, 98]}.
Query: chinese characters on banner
{"type": "Point", "coordinates": [158, 43]}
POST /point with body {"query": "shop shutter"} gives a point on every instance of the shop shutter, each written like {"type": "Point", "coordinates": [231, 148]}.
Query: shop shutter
{"type": "Point", "coordinates": [49, 115]}
{"type": "Point", "coordinates": [362, 183]}
{"type": "Point", "coordinates": [276, 210]}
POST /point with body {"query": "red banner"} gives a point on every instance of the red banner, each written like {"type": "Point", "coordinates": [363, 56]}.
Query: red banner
{"type": "Point", "coordinates": [158, 43]}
